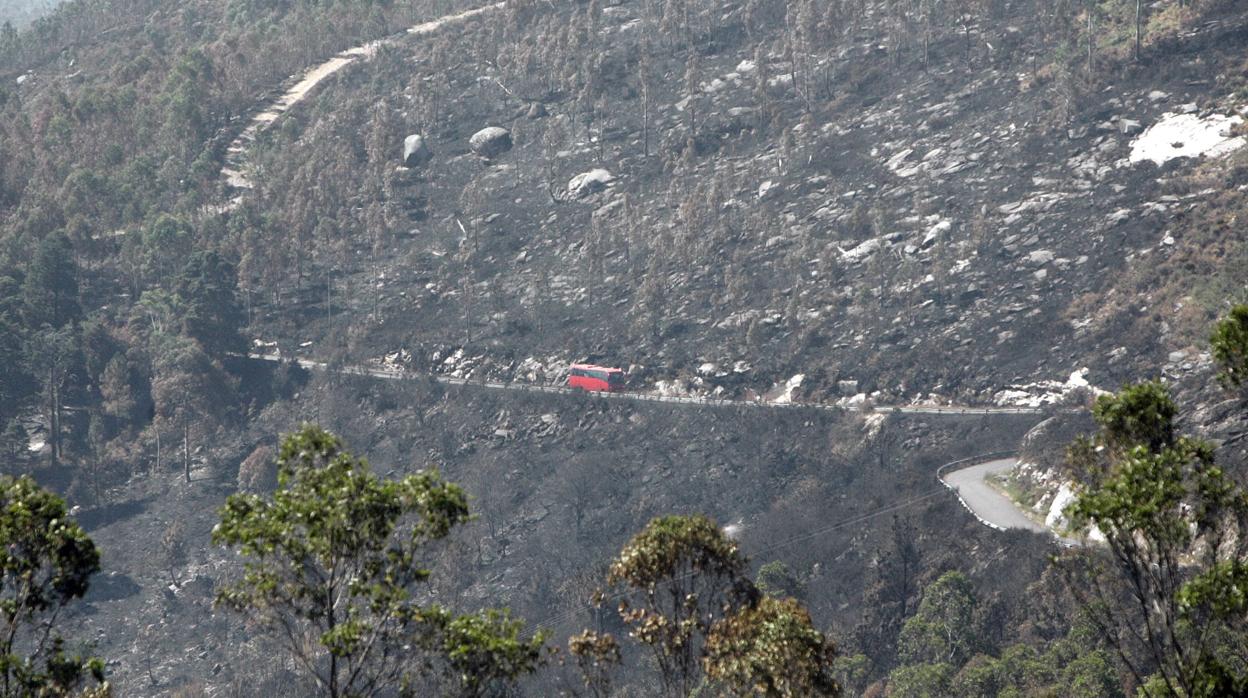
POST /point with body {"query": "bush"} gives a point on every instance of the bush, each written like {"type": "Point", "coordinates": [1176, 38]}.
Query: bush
{"type": "Point", "coordinates": [258, 472]}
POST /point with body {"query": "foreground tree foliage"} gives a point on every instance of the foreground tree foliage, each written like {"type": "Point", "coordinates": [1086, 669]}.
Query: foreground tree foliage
{"type": "Point", "coordinates": [685, 574]}
{"type": "Point", "coordinates": [944, 629]}
{"type": "Point", "coordinates": [947, 652]}
{"type": "Point", "coordinates": [771, 649]}
{"type": "Point", "coordinates": [1230, 347]}
{"type": "Point", "coordinates": [332, 567]}
{"type": "Point", "coordinates": [694, 608]}
{"type": "Point", "coordinates": [595, 654]}
{"type": "Point", "coordinates": [1169, 593]}
{"type": "Point", "coordinates": [485, 651]}
{"type": "Point", "coordinates": [46, 561]}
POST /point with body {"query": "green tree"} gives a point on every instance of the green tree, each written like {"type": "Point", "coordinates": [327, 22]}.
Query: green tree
{"type": "Point", "coordinates": [981, 677]}
{"type": "Point", "coordinates": [46, 563]}
{"type": "Point", "coordinates": [13, 444]}
{"type": "Point", "coordinates": [1138, 415]}
{"type": "Point", "coordinates": [888, 598]}
{"type": "Point", "coordinates": [852, 672]}
{"type": "Point", "coordinates": [771, 649]}
{"type": "Point", "coordinates": [50, 291]}
{"type": "Point", "coordinates": [1230, 347]}
{"type": "Point", "coordinates": [207, 291]}
{"type": "Point", "coordinates": [162, 248]}
{"type": "Point", "coordinates": [11, 297]}
{"type": "Point", "coordinates": [1173, 579]}
{"type": "Point", "coordinates": [15, 383]}
{"type": "Point", "coordinates": [332, 564]}
{"type": "Point", "coordinates": [186, 125]}
{"type": "Point", "coordinates": [125, 390]}
{"type": "Point", "coordinates": [8, 38]}
{"type": "Point", "coordinates": [191, 392]}
{"type": "Point", "coordinates": [1091, 675]}
{"type": "Point", "coordinates": [944, 628]}
{"type": "Point", "coordinates": [777, 580]}
{"type": "Point", "coordinates": [684, 574]}
{"type": "Point", "coordinates": [54, 357]}
{"type": "Point", "coordinates": [485, 652]}
{"type": "Point", "coordinates": [922, 681]}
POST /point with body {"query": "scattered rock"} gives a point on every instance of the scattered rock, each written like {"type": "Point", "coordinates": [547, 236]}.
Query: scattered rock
{"type": "Point", "coordinates": [590, 182]}
{"type": "Point", "coordinates": [861, 251]}
{"type": "Point", "coordinates": [1040, 257]}
{"type": "Point", "coordinates": [416, 151]}
{"type": "Point", "coordinates": [490, 142]}
{"type": "Point", "coordinates": [935, 232]}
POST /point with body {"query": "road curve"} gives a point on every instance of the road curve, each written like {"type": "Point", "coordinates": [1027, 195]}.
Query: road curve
{"type": "Point", "coordinates": [985, 502]}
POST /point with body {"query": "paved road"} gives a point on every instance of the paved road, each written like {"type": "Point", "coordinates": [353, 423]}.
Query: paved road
{"type": "Point", "coordinates": [989, 505]}
{"type": "Point", "coordinates": [400, 374]}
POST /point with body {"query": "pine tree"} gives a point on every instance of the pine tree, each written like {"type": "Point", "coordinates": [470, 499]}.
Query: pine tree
{"type": "Point", "coordinates": [207, 290]}
{"type": "Point", "coordinates": [50, 291]}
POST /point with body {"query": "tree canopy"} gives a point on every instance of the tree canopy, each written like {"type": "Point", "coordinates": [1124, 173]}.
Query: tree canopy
{"type": "Point", "coordinates": [687, 598]}
{"type": "Point", "coordinates": [46, 562]}
{"type": "Point", "coordinates": [771, 649]}
{"type": "Point", "coordinates": [1230, 346]}
{"type": "Point", "coordinates": [207, 289]}
{"type": "Point", "coordinates": [1172, 584]}
{"type": "Point", "coordinates": [332, 564]}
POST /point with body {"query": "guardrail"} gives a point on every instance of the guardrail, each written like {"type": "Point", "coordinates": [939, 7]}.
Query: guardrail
{"type": "Point", "coordinates": [973, 460]}
{"type": "Point", "coordinates": [404, 374]}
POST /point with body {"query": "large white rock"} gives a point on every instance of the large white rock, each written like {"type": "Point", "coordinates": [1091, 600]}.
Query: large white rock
{"type": "Point", "coordinates": [861, 251]}
{"type": "Point", "coordinates": [416, 151]}
{"type": "Point", "coordinates": [1040, 257]}
{"type": "Point", "coordinates": [1187, 136]}
{"type": "Point", "coordinates": [490, 141]}
{"type": "Point", "coordinates": [587, 183]}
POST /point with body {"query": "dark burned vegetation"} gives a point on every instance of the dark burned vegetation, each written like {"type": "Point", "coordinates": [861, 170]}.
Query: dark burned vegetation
{"type": "Point", "coordinates": [904, 199]}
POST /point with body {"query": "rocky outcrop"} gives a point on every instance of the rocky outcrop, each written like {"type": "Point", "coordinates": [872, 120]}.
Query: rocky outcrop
{"type": "Point", "coordinates": [1045, 445]}
{"type": "Point", "coordinates": [490, 142]}
{"type": "Point", "coordinates": [590, 182]}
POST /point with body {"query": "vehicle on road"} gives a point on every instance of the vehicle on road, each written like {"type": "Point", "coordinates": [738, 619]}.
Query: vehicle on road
{"type": "Point", "coordinates": [595, 378]}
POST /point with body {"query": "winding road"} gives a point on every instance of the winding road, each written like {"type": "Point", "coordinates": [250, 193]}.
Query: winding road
{"type": "Point", "coordinates": [234, 172]}
{"type": "Point", "coordinates": [984, 501]}
{"type": "Point", "coordinates": [234, 175]}
{"type": "Point", "coordinates": [402, 374]}
{"type": "Point", "coordinates": [988, 505]}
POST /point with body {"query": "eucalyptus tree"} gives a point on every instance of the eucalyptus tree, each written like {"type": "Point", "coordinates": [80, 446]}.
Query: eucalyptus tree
{"type": "Point", "coordinates": [771, 649]}
{"type": "Point", "coordinates": [333, 567]}
{"type": "Point", "coordinates": [1169, 591]}
{"type": "Point", "coordinates": [680, 574]}
{"type": "Point", "coordinates": [46, 563]}
{"type": "Point", "coordinates": [1230, 347]}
